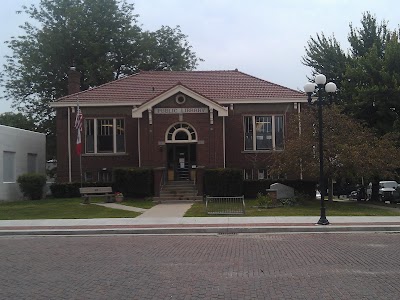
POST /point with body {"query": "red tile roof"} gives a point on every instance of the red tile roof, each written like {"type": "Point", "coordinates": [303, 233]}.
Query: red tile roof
{"type": "Point", "coordinates": [215, 85]}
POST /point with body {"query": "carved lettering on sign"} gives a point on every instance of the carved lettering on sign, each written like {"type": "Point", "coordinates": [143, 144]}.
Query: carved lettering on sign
{"type": "Point", "coordinates": [180, 110]}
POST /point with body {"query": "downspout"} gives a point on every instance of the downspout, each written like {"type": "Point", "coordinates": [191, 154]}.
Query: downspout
{"type": "Point", "coordinates": [301, 165]}
{"type": "Point", "coordinates": [69, 146]}
{"type": "Point", "coordinates": [223, 140]}
{"type": "Point", "coordinates": [138, 126]}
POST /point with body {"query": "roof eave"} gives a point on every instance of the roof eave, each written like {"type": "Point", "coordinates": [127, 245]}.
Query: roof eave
{"type": "Point", "coordinates": [222, 111]}
{"type": "Point", "coordinates": [93, 104]}
{"type": "Point", "coordinates": [261, 100]}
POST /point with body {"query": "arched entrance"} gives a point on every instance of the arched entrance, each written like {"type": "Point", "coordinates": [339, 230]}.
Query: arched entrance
{"type": "Point", "coordinates": [181, 141]}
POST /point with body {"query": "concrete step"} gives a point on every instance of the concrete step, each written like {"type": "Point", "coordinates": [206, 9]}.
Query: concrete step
{"type": "Point", "coordinates": [176, 191]}
{"type": "Point", "coordinates": [179, 188]}
{"type": "Point", "coordinates": [178, 195]}
{"type": "Point", "coordinates": [177, 199]}
{"type": "Point", "coordinates": [180, 182]}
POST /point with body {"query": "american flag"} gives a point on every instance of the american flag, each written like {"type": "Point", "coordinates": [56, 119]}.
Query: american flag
{"type": "Point", "coordinates": [78, 126]}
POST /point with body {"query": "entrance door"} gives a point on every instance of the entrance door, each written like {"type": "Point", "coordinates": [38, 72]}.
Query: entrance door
{"type": "Point", "coordinates": [182, 162]}
{"type": "Point", "coordinates": [181, 158]}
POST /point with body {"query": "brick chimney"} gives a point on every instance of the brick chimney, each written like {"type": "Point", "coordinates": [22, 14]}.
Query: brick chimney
{"type": "Point", "coordinates": [74, 81]}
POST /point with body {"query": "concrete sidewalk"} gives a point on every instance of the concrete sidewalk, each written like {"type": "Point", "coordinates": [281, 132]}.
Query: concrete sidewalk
{"type": "Point", "coordinates": [168, 219]}
{"type": "Point", "coordinates": [206, 225]}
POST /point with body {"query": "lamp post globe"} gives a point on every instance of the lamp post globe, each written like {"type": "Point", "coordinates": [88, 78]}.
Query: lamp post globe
{"type": "Point", "coordinates": [320, 89]}
{"type": "Point", "coordinates": [320, 79]}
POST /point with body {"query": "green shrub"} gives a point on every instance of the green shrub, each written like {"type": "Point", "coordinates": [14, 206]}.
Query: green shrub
{"type": "Point", "coordinates": [265, 201]}
{"type": "Point", "coordinates": [134, 182]}
{"type": "Point", "coordinates": [289, 201]}
{"type": "Point", "coordinates": [71, 189]}
{"type": "Point", "coordinates": [223, 182]}
{"type": "Point", "coordinates": [65, 190]}
{"type": "Point", "coordinates": [32, 185]}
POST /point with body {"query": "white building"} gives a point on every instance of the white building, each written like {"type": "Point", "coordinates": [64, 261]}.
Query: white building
{"type": "Point", "coordinates": [21, 151]}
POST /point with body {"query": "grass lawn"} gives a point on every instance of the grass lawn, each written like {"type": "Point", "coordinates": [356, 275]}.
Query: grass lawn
{"type": "Point", "coordinates": [59, 209]}
{"type": "Point", "coordinates": [308, 208]}
{"type": "Point", "coordinates": [142, 203]}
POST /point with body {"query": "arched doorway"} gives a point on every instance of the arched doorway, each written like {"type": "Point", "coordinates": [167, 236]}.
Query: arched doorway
{"type": "Point", "coordinates": [181, 141]}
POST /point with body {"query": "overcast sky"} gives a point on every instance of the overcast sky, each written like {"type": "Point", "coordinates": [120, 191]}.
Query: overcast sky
{"type": "Point", "coordinates": [263, 38]}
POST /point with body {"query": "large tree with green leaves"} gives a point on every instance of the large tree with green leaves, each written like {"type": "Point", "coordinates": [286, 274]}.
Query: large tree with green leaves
{"type": "Point", "coordinates": [17, 120]}
{"type": "Point", "coordinates": [325, 56]}
{"type": "Point", "coordinates": [101, 38]}
{"type": "Point", "coordinates": [368, 76]}
{"type": "Point", "coordinates": [350, 150]}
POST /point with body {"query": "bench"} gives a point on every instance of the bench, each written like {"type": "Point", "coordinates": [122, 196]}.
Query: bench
{"type": "Point", "coordinates": [225, 205]}
{"type": "Point", "coordinates": [95, 192]}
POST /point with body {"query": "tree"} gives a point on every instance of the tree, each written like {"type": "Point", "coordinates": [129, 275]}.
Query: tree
{"type": "Point", "coordinates": [17, 120]}
{"type": "Point", "coordinates": [368, 77]}
{"type": "Point", "coordinates": [372, 89]}
{"type": "Point", "coordinates": [325, 56]}
{"type": "Point", "coordinates": [100, 38]}
{"type": "Point", "coordinates": [350, 150]}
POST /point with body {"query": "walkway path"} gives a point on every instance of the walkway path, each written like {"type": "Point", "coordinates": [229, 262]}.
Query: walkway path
{"type": "Point", "coordinates": [164, 210]}
{"type": "Point", "coordinates": [122, 207]}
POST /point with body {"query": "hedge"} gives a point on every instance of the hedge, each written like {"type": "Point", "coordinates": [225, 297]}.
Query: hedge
{"type": "Point", "coordinates": [223, 182]}
{"type": "Point", "coordinates": [71, 190]}
{"type": "Point", "coordinates": [134, 182]}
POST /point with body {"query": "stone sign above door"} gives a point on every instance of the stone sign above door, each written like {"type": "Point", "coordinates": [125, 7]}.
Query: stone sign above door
{"type": "Point", "coordinates": [180, 110]}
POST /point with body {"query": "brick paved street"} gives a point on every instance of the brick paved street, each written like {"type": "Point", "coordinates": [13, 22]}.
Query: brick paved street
{"type": "Point", "coordinates": [279, 266]}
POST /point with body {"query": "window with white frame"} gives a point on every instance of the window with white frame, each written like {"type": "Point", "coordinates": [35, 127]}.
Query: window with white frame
{"type": "Point", "coordinates": [8, 166]}
{"type": "Point", "coordinates": [32, 163]}
{"type": "Point", "coordinates": [105, 135]}
{"type": "Point", "coordinates": [88, 176]}
{"type": "Point", "coordinates": [263, 174]}
{"type": "Point", "coordinates": [181, 132]}
{"type": "Point", "coordinates": [104, 176]}
{"type": "Point", "coordinates": [263, 133]}
{"type": "Point", "coordinates": [248, 174]}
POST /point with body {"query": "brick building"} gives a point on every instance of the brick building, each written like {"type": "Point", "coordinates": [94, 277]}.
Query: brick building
{"type": "Point", "coordinates": [177, 122]}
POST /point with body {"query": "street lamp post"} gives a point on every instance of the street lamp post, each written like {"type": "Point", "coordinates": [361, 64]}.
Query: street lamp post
{"type": "Point", "coordinates": [319, 88]}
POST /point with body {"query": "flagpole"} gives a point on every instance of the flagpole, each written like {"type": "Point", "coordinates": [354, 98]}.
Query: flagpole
{"type": "Point", "coordinates": [80, 154]}
{"type": "Point", "coordinates": [78, 126]}
{"type": "Point", "coordinates": [80, 166]}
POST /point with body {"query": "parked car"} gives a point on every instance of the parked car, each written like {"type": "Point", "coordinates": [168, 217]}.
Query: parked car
{"type": "Point", "coordinates": [388, 191]}
{"type": "Point", "coordinates": [352, 195]}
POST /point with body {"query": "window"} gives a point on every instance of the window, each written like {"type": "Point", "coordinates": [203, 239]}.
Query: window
{"type": "Point", "coordinates": [105, 135]}
{"type": "Point", "coordinates": [104, 176]}
{"type": "Point", "coordinates": [256, 174]}
{"type": "Point", "coordinates": [248, 174]}
{"type": "Point", "coordinates": [32, 165]}
{"type": "Point", "coordinates": [263, 133]}
{"type": "Point", "coordinates": [181, 132]}
{"type": "Point", "coordinates": [278, 132]}
{"type": "Point", "coordinates": [89, 135]}
{"type": "Point", "coordinates": [88, 176]}
{"type": "Point", "coordinates": [8, 166]}
{"type": "Point", "coordinates": [263, 174]}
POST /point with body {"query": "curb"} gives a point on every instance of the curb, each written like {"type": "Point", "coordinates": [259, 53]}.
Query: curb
{"type": "Point", "coordinates": [202, 230]}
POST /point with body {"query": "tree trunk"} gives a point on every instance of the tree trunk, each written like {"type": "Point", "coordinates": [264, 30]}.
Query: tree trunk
{"type": "Point", "coordinates": [330, 189]}
{"type": "Point", "coordinates": [375, 190]}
